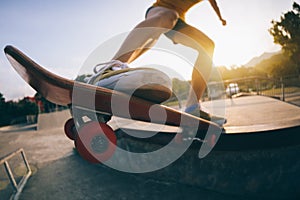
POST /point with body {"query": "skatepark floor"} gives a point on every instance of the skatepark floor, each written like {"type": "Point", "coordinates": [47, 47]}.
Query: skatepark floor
{"type": "Point", "coordinates": [60, 173]}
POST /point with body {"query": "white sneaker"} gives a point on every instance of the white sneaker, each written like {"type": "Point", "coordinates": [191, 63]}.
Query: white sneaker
{"type": "Point", "coordinates": [147, 83]}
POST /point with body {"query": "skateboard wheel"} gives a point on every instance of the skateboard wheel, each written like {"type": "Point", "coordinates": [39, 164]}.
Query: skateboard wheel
{"type": "Point", "coordinates": [70, 129]}
{"type": "Point", "coordinates": [96, 142]}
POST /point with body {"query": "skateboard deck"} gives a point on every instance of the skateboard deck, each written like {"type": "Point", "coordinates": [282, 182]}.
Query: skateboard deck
{"type": "Point", "coordinates": [64, 91]}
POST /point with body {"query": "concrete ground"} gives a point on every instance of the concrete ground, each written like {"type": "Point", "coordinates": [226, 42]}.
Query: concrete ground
{"type": "Point", "coordinates": [73, 178]}
{"type": "Point", "coordinates": [59, 173]}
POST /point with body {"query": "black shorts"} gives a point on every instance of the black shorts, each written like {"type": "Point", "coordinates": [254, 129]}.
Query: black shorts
{"type": "Point", "coordinates": [179, 25]}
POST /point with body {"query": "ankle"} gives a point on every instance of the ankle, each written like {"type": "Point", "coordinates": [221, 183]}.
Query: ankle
{"type": "Point", "coordinates": [192, 107]}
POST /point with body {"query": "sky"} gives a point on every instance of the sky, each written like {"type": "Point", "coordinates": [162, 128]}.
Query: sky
{"type": "Point", "coordinates": [61, 35]}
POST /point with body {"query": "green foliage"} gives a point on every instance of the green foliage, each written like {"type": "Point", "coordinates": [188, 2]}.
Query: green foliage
{"type": "Point", "coordinates": [10, 110]}
{"type": "Point", "coordinates": [180, 87]}
{"type": "Point", "coordinates": [2, 99]}
{"type": "Point", "coordinates": [278, 66]}
{"type": "Point", "coordinates": [236, 72]}
{"type": "Point", "coordinates": [286, 32]}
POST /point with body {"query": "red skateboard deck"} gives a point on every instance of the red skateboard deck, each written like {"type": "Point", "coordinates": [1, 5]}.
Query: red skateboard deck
{"type": "Point", "coordinates": [63, 91]}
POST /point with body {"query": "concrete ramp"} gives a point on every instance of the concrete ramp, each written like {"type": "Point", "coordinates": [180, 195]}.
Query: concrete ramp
{"type": "Point", "coordinates": [251, 114]}
{"type": "Point", "coordinates": [53, 120]}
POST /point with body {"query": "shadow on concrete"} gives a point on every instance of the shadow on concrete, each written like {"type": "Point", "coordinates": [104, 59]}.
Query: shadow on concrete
{"type": "Point", "coordinates": [74, 178]}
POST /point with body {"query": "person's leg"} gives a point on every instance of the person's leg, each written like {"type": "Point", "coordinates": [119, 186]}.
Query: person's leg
{"type": "Point", "coordinates": [158, 21]}
{"type": "Point", "coordinates": [191, 37]}
{"type": "Point", "coordinates": [194, 38]}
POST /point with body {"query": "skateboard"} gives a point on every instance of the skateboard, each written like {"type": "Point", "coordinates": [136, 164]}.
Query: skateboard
{"type": "Point", "coordinates": [94, 138]}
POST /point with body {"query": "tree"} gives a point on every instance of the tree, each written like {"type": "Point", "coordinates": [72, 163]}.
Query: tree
{"type": "Point", "coordinates": [286, 32]}
{"type": "Point", "coordinates": [2, 99]}
{"type": "Point", "coordinates": [15, 112]}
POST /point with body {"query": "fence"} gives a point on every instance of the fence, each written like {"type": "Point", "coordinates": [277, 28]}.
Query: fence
{"type": "Point", "coordinates": [285, 88]}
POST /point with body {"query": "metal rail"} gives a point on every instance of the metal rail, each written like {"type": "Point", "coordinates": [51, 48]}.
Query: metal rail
{"type": "Point", "coordinates": [284, 88]}
{"type": "Point", "coordinates": [17, 187]}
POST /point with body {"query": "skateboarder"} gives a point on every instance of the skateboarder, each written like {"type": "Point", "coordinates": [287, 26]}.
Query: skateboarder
{"type": "Point", "coordinates": [163, 16]}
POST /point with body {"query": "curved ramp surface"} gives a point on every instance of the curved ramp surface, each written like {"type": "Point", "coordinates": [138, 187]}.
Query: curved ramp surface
{"type": "Point", "coordinates": [257, 114]}
{"type": "Point", "coordinates": [53, 120]}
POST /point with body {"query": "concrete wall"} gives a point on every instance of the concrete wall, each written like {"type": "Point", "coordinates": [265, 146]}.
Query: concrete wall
{"type": "Point", "coordinates": [53, 120]}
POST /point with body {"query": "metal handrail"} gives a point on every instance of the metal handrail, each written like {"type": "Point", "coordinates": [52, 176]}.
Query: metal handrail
{"type": "Point", "coordinates": [280, 88]}
{"type": "Point", "coordinates": [16, 187]}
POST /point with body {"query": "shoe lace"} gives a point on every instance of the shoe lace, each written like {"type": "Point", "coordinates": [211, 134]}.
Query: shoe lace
{"type": "Point", "coordinates": [110, 65]}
